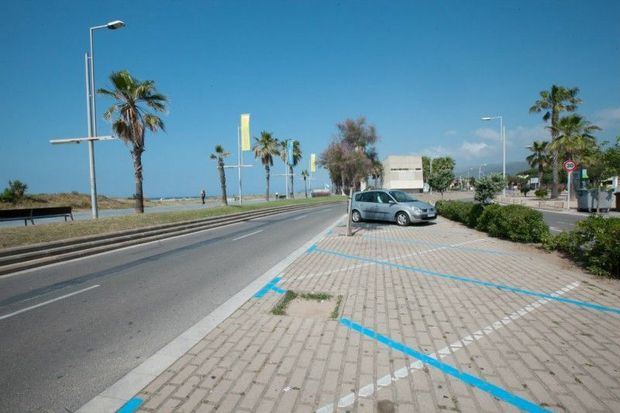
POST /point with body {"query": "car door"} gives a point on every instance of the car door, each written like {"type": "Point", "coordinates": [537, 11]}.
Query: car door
{"type": "Point", "coordinates": [384, 210]}
{"type": "Point", "coordinates": [368, 204]}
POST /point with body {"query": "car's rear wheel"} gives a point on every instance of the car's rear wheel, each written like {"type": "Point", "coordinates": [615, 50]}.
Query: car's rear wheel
{"type": "Point", "coordinates": [402, 219]}
{"type": "Point", "coordinates": [356, 216]}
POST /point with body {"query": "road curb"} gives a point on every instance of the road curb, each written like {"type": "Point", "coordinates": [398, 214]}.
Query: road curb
{"type": "Point", "coordinates": [119, 393]}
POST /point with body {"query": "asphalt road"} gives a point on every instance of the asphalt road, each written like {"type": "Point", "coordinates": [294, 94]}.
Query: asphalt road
{"type": "Point", "coordinates": [126, 305]}
{"type": "Point", "coordinates": [561, 221]}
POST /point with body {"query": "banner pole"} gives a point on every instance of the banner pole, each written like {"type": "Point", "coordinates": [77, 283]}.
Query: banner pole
{"type": "Point", "coordinates": [239, 162]}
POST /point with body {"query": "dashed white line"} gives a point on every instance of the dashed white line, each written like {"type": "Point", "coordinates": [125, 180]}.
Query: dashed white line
{"type": "Point", "coordinates": [300, 217]}
{"type": "Point", "coordinates": [62, 297]}
{"type": "Point", "coordinates": [247, 235]}
{"type": "Point", "coordinates": [368, 390]}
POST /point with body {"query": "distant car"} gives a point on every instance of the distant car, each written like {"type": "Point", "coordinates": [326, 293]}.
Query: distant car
{"type": "Point", "coordinates": [389, 205]}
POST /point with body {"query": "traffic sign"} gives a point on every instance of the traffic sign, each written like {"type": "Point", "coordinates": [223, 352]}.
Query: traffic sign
{"type": "Point", "coordinates": [569, 165]}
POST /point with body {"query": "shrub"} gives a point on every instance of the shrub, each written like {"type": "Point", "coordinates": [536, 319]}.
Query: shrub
{"type": "Point", "coordinates": [541, 193]}
{"type": "Point", "coordinates": [489, 186]}
{"type": "Point", "coordinates": [461, 211]}
{"type": "Point", "coordinates": [488, 215]}
{"type": "Point", "coordinates": [14, 192]}
{"type": "Point", "coordinates": [593, 243]}
{"type": "Point", "coordinates": [515, 222]}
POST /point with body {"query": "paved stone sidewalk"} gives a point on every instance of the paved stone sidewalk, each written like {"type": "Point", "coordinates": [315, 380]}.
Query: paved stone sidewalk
{"type": "Point", "coordinates": [432, 318]}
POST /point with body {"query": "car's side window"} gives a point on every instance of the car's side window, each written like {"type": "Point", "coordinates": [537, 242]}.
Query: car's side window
{"type": "Point", "coordinates": [372, 197]}
{"type": "Point", "coordinates": [358, 197]}
{"type": "Point", "coordinates": [383, 198]}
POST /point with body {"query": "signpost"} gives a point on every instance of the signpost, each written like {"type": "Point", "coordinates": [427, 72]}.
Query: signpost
{"type": "Point", "coordinates": [569, 166]}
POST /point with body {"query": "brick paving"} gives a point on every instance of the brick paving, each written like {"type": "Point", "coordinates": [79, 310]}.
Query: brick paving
{"type": "Point", "coordinates": [561, 356]}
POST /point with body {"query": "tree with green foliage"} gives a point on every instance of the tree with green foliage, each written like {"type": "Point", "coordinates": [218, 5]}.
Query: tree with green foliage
{"type": "Point", "coordinates": [444, 162]}
{"type": "Point", "coordinates": [489, 186]}
{"type": "Point", "coordinates": [296, 158]}
{"type": "Point", "coordinates": [573, 137]}
{"type": "Point", "coordinates": [132, 118]}
{"type": "Point", "coordinates": [15, 192]}
{"type": "Point", "coordinates": [539, 158]}
{"type": "Point", "coordinates": [553, 102]}
{"type": "Point", "coordinates": [426, 168]}
{"type": "Point", "coordinates": [305, 175]}
{"type": "Point", "coordinates": [219, 155]}
{"type": "Point", "coordinates": [441, 179]}
{"type": "Point", "coordinates": [265, 148]}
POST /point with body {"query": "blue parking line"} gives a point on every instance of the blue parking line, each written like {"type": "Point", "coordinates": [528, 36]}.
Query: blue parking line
{"type": "Point", "coordinates": [311, 248]}
{"type": "Point", "coordinates": [473, 381]}
{"type": "Point", "coordinates": [131, 406]}
{"type": "Point", "coordinates": [438, 244]}
{"type": "Point", "coordinates": [271, 286]}
{"type": "Point", "coordinates": [585, 304]}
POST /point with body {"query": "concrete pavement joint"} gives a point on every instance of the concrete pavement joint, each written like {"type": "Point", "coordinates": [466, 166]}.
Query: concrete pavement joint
{"type": "Point", "coordinates": [369, 389]}
{"type": "Point", "coordinates": [126, 388]}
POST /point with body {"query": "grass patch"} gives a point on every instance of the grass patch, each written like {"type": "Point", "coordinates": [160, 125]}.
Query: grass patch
{"type": "Point", "coordinates": [15, 236]}
{"type": "Point", "coordinates": [280, 308]}
{"type": "Point", "coordinates": [336, 312]}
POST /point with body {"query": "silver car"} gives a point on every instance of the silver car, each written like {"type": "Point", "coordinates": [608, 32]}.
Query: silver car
{"type": "Point", "coordinates": [388, 205]}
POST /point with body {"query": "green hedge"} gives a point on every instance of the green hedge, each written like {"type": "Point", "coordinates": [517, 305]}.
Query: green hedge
{"type": "Point", "coordinates": [513, 222]}
{"type": "Point", "coordinates": [594, 243]}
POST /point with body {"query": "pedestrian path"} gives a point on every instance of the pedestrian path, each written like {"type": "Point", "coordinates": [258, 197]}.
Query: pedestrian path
{"type": "Point", "coordinates": [424, 318]}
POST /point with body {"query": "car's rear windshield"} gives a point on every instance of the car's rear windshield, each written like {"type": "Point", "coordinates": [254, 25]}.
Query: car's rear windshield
{"type": "Point", "coordinates": [401, 196]}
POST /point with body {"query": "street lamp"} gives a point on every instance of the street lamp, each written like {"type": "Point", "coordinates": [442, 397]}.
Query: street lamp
{"type": "Point", "coordinates": [91, 110]}
{"type": "Point", "coordinates": [502, 135]}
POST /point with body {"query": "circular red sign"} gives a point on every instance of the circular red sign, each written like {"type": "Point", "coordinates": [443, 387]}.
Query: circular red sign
{"type": "Point", "coordinates": [569, 165]}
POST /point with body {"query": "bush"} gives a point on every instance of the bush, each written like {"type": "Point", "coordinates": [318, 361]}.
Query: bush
{"type": "Point", "coordinates": [461, 211]}
{"type": "Point", "coordinates": [489, 186]}
{"type": "Point", "coordinates": [14, 193]}
{"type": "Point", "coordinates": [514, 222]}
{"type": "Point", "coordinates": [593, 243]}
{"type": "Point", "coordinates": [541, 193]}
{"type": "Point", "coordinates": [489, 214]}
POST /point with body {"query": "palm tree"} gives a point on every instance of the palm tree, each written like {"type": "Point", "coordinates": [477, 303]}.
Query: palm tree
{"type": "Point", "coordinates": [296, 157]}
{"type": "Point", "coordinates": [539, 157]}
{"type": "Point", "coordinates": [220, 154]}
{"type": "Point", "coordinates": [305, 175]}
{"type": "Point", "coordinates": [133, 119]}
{"type": "Point", "coordinates": [265, 148]}
{"type": "Point", "coordinates": [574, 136]}
{"type": "Point", "coordinates": [553, 102]}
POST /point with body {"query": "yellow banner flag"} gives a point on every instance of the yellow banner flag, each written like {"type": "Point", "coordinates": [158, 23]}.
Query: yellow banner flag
{"type": "Point", "coordinates": [245, 132]}
{"type": "Point", "coordinates": [313, 162]}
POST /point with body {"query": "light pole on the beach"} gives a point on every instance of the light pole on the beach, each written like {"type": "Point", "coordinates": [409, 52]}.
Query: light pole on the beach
{"type": "Point", "coordinates": [91, 111]}
{"type": "Point", "coordinates": [502, 136]}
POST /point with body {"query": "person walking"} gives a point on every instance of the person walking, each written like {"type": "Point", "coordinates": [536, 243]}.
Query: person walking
{"type": "Point", "coordinates": [203, 195]}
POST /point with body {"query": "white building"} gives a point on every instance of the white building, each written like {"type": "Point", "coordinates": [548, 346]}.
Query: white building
{"type": "Point", "coordinates": [403, 172]}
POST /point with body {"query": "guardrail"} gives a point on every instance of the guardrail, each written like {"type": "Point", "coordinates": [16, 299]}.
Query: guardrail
{"type": "Point", "coordinates": [36, 255]}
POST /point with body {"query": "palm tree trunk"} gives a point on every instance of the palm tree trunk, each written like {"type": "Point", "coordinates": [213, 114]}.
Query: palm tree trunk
{"type": "Point", "coordinates": [136, 154]}
{"type": "Point", "coordinates": [292, 192]}
{"type": "Point", "coordinates": [306, 187]}
{"type": "Point", "coordinates": [220, 167]}
{"type": "Point", "coordinates": [267, 183]}
{"type": "Point", "coordinates": [540, 174]}
{"type": "Point", "coordinates": [556, 176]}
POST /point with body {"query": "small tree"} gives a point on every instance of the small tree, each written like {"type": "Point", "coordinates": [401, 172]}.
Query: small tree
{"type": "Point", "coordinates": [305, 175]}
{"type": "Point", "coordinates": [489, 186]}
{"type": "Point", "coordinates": [440, 180]}
{"type": "Point", "coordinates": [15, 192]}
{"type": "Point", "coordinates": [523, 183]}
{"type": "Point", "coordinates": [219, 155]}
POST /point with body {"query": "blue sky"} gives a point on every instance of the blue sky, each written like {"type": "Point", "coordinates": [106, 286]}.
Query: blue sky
{"type": "Point", "coordinates": [422, 72]}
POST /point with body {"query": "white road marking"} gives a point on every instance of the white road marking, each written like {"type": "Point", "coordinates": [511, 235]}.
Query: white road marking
{"type": "Point", "coordinates": [555, 229]}
{"type": "Point", "coordinates": [366, 391]}
{"type": "Point", "coordinates": [62, 297]}
{"type": "Point", "coordinates": [247, 235]}
{"type": "Point", "coordinates": [300, 217]}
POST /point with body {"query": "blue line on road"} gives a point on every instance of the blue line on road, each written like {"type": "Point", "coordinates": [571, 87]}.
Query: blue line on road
{"type": "Point", "coordinates": [502, 287]}
{"type": "Point", "coordinates": [474, 381]}
{"type": "Point", "coordinates": [311, 248]}
{"type": "Point", "coordinates": [271, 286]}
{"type": "Point", "coordinates": [131, 406]}
{"type": "Point", "coordinates": [438, 244]}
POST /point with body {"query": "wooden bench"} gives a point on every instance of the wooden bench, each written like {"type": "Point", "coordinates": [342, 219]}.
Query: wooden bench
{"type": "Point", "coordinates": [30, 214]}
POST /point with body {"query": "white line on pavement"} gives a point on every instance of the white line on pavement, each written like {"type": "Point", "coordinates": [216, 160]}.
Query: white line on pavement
{"type": "Point", "coordinates": [555, 229]}
{"type": "Point", "coordinates": [300, 217]}
{"type": "Point", "coordinates": [32, 307]}
{"type": "Point", "coordinates": [368, 390]}
{"type": "Point", "coordinates": [247, 235]}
